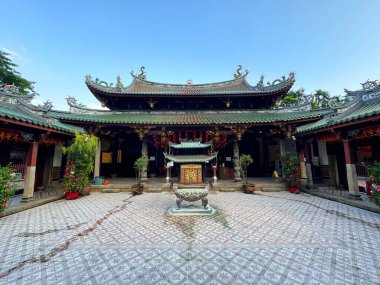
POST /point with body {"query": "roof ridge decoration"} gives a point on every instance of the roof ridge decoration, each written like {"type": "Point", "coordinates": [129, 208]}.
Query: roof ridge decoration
{"type": "Point", "coordinates": [370, 89]}
{"type": "Point", "coordinates": [79, 108]}
{"type": "Point", "coordinates": [238, 74]}
{"type": "Point", "coordinates": [11, 93]}
{"type": "Point", "coordinates": [139, 84]}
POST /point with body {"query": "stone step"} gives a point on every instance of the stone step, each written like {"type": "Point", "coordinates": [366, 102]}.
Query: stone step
{"type": "Point", "coordinates": [113, 190]}
{"type": "Point", "coordinates": [271, 189]}
{"type": "Point", "coordinates": [223, 189]}
{"type": "Point", "coordinates": [152, 190]}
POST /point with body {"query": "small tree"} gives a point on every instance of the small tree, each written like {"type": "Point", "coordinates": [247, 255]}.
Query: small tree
{"type": "Point", "coordinates": [245, 161]}
{"type": "Point", "coordinates": [81, 155]}
{"type": "Point", "coordinates": [140, 164]}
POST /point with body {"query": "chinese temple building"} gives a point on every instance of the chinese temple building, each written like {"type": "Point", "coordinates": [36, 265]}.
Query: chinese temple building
{"type": "Point", "coordinates": [145, 117]}
{"type": "Point", "coordinates": [203, 124]}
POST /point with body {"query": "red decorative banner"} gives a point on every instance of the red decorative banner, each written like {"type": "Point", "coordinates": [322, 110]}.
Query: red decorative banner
{"type": "Point", "coordinates": [329, 138]}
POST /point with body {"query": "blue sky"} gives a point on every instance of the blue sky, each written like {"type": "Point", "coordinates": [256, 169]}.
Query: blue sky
{"type": "Point", "coordinates": [330, 44]}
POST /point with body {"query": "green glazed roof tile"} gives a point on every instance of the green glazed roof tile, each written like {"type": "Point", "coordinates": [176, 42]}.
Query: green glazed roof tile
{"type": "Point", "coordinates": [367, 110]}
{"type": "Point", "coordinates": [19, 114]}
{"type": "Point", "coordinates": [190, 118]}
{"type": "Point", "coordinates": [190, 158]}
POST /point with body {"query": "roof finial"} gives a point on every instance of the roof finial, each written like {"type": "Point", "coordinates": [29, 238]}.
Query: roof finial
{"type": "Point", "coordinates": [142, 74]}
{"type": "Point", "coordinates": [238, 73]}
{"type": "Point", "coordinates": [119, 84]}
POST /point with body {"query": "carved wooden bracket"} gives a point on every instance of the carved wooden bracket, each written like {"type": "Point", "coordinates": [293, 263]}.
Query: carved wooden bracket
{"type": "Point", "coordinates": [287, 131]}
{"type": "Point", "coordinates": [238, 131]}
{"type": "Point", "coordinates": [142, 131]}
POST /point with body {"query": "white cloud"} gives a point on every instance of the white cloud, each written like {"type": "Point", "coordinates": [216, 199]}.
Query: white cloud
{"type": "Point", "coordinates": [12, 54]}
{"type": "Point", "coordinates": [15, 56]}
{"type": "Point", "coordinates": [96, 106]}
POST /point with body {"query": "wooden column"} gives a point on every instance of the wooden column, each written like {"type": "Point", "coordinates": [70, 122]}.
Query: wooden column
{"type": "Point", "coordinates": [97, 159]}
{"type": "Point", "coordinates": [30, 178]}
{"type": "Point", "coordinates": [352, 178]}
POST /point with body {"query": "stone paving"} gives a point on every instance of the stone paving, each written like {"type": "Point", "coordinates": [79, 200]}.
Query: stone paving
{"type": "Point", "coordinates": [266, 238]}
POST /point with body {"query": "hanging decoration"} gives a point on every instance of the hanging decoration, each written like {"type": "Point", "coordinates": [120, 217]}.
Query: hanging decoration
{"type": "Point", "coordinates": [8, 135]}
{"type": "Point", "coordinates": [51, 141]}
{"type": "Point", "coordinates": [329, 138]}
{"type": "Point", "coordinates": [368, 132]}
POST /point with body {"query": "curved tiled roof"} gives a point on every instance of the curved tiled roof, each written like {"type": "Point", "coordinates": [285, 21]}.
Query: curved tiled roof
{"type": "Point", "coordinates": [190, 117]}
{"type": "Point", "coordinates": [189, 144]}
{"type": "Point", "coordinates": [190, 158]}
{"type": "Point", "coordinates": [237, 86]}
{"type": "Point", "coordinates": [20, 114]}
{"type": "Point", "coordinates": [364, 111]}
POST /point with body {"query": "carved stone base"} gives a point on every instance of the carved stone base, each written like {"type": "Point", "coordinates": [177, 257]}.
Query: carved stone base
{"type": "Point", "coordinates": [191, 210]}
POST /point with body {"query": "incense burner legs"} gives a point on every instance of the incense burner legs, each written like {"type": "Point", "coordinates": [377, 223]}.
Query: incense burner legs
{"type": "Point", "coordinates": [191, 195]}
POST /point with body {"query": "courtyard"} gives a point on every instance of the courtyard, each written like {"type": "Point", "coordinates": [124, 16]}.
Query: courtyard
{"type": "Point", "coordinates": [265, 238]}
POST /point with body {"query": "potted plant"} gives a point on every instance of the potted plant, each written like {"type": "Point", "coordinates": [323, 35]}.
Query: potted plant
{"type": "Point", "coordinates": [72, 182]}
{"type": "Point", "coordinates": [81, 155]}
{"type": "Point", "coordinates": [7, 188]}
{"type": "Point", "coordinates": [291, 171]}
{"type": "Point", "coordinates": [374, 177]}
{"type": "Point", "coordinates": [245, 161]}
{"type": "Point", "coordinates": [140, 164]}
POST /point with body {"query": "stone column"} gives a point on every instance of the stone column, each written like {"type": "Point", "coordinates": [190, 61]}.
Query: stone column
{"type": "Point", "coordinates": [30, 178]}
{"type": "Point", "coordinates": [97, 159]}
{"type": "Point", "coordinates": [282, 147]}
{"type": "Point", "coordinates": [144, 153]}
{"type": "Point", "coordinates": [323, 161]}
{"type": "Point", "coordinates": [352, 179]}
{"type": "Point", "coordinates": [236, 161]}
{"type": "Point", "coordinates": [57, 160]}
{"type": "Point", "coordinates": [309, 172]}
{"type": "Point", "coordinates": [301, 156]}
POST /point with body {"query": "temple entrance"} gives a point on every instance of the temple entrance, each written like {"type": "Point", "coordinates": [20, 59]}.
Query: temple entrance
{"type": "Point", "coordinates": [191, 174]}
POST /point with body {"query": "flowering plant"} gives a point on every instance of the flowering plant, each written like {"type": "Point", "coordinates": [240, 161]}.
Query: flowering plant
{"type": "Point", "coordinates": [291, 170]}
{"type": "Point", "coordinates": [74, 180]}
{"type": "Point", "coordinates": [7, 188]}
{"type": "Point", "coordinates": [374, 177]}
{"type": "Point", "coordinates": [81, 154]}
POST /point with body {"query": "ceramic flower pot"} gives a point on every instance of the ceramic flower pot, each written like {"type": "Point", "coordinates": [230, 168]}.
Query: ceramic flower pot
{"type": "Point", "coordinates": [293, 189]}
{"type": "Point", "coordinates": [137, 189]}
{"type": "Point", "coordinates": [72, 196]}
{"type": "Point", "coordinates": [86, 189]}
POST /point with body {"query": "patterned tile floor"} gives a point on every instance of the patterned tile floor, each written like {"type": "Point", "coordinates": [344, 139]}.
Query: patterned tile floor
{"type": "Point", "coordinates": [266, 238]}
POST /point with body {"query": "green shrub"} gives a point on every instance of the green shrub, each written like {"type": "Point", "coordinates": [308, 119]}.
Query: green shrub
{"type": "Point", "coordinates": [7, 188]}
